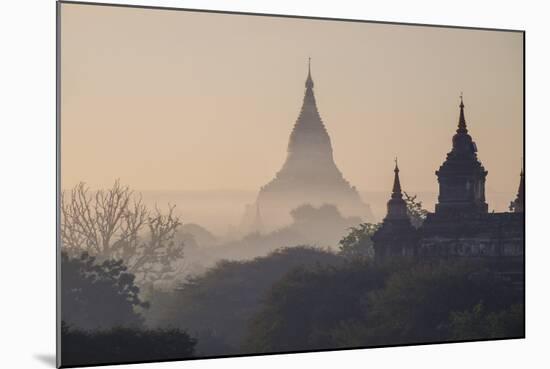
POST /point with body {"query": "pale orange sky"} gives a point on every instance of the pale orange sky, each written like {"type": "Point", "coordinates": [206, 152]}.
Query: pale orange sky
{"type": "Point", "coordinates": [176, 100]}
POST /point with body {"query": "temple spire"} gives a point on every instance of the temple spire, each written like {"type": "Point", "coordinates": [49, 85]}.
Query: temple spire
{"type": "Point", "coordinates": [461, 120]}
{"type": "Point", "coordinates": [309, 80]}
{"type": "Point", "coordinates": [309, 133]}
{"type": "Point", "coordinates": [396, 236]}
{"type": "Point", "coordinates": [396, 191]}
{"type": "Point", "coordinates": [461, 177]}
{"type": "Point", "coordinates": [397, 208]}
{"type": "Point", "coordinates": [518, 205]}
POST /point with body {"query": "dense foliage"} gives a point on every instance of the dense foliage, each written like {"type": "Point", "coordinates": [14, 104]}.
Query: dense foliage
{"type": "Point", "coordinates": [119, 345]}
{"type": "Point", "coordinates": [98, 295]}
{"type": "Point", "coordinates": [417, 214]}
{"type": "Point", "coordinates": [416, 303]}
{"type": "Point", "coordinates": [358, 242]}
{"type": "Point", "coordinates": [302, 310]}
{"type": "Point", "coordinates": [478, 323]}
{"type": "Point", "coordinates": [363, 304]}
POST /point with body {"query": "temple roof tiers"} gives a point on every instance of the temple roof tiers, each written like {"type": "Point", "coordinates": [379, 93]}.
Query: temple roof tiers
{"type": "Point", "coordinates": [309, 174]}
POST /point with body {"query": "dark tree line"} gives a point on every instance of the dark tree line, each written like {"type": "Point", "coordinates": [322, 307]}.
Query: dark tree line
{"type": "Point", "coordinates": [361, 304]}
{"type": "Point", "coordinates": [100, 319]}
{"type": "Point", "coordinates": [98, 295]}
{"type": "Point", "coordinates": [116, 345]}
{"type": "Point", "coordinates": [296, 298]}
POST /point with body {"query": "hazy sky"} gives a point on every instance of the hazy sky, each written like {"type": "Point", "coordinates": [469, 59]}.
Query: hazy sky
{"type": "Point", "coordinates": [196, 101]}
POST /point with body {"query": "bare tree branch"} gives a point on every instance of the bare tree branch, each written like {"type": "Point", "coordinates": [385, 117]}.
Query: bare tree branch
{"type": "Point", "coordinates": [115, 224]}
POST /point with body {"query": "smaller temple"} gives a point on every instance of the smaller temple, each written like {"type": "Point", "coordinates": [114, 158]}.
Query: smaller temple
{"type": "Point", "coordinates": [396, 236]}
{"type": "Point", "coordinates": [461, 226]}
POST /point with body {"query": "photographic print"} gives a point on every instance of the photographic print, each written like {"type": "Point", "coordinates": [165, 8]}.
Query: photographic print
{"type": "Point", "coordinates": [236, 184]}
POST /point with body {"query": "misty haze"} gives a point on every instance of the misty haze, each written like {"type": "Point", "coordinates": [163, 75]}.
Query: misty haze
{"type": "Point", "coordinates": [236, 184]}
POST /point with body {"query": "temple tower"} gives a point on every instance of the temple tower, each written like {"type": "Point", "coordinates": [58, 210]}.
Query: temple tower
{"type": "Point", "coordinates": [396, 236]}
{"type": "Point", "coordinates": [309, 174]}
{"type": "Point", "coordinates": [461, 177]}
{"type": "Point", "coordinates": [461, 225]}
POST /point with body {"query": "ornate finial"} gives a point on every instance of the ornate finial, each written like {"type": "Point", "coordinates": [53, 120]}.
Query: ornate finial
{"type": "Point", "coordinates": [461, 120]}
{"type": "Point", "coordinates": [309, 80]}
{"type": "Point", "coordinates": [396, 190]}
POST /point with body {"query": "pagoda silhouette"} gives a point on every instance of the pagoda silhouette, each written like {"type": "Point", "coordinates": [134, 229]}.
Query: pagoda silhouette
{"type": "Point", "coordinates": [461, 226]}
{"type": "Point", "coordinates": [309, 174]}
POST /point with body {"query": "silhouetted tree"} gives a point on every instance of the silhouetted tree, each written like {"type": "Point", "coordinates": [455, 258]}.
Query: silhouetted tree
{"type": "Point", "coordinates": [115, 224]}
{"type": "Point", "coordinates": [416, 212]}
{"type": "Point", "coordinates": [98, 295]}
{"type": "Point", "coordinates": [358, 242]}
{"type": "Point", "coordinates": [119, 345]}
